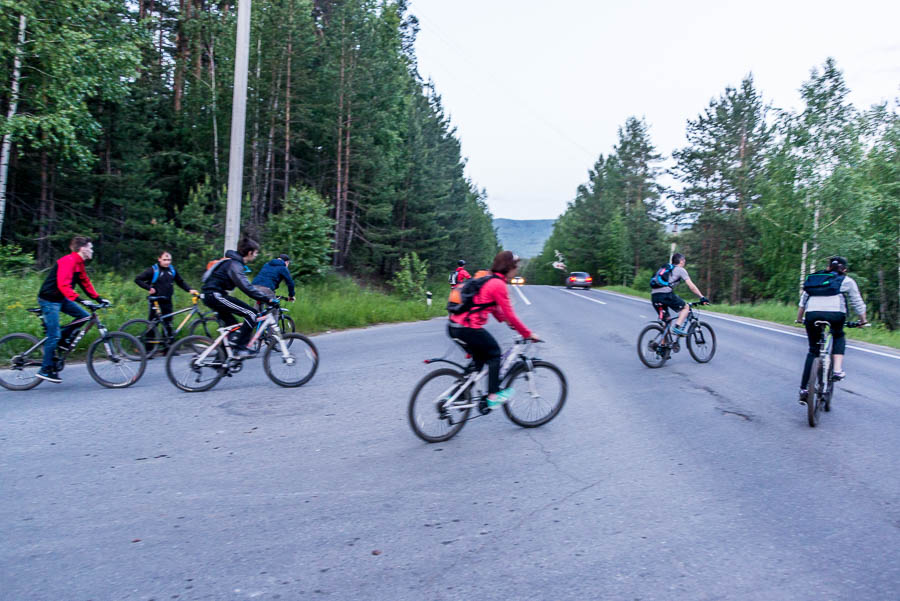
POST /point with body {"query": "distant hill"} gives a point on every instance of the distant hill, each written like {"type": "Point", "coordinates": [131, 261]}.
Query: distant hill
{"type": "Point", "coordinates": [525, 237]}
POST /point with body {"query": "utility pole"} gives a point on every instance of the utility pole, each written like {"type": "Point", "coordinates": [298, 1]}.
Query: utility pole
{"type": "Point", "coordinates": [238, 123]}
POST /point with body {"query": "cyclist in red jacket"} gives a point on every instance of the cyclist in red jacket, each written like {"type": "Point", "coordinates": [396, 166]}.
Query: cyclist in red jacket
{"type": "Point", "coordinates": [58, 294]}
{"type": "Point", "coordinates": [460, 275]}
{"type": "Point", "coordinates": [493, 298]}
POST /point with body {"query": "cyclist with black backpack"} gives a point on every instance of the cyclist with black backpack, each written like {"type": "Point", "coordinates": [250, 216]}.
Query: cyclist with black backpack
{"type": "Point", "coordinates": [823, 299]}
{"type": "Point", "coordinates": [664, 280]}
{"type": "Point", "coordinates": [478, 298]}
{"type": "Point", "coordinates": [159, 281]}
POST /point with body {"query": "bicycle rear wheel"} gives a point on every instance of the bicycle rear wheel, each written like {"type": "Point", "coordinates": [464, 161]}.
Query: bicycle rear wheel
{"type": "Point", "coordinates": [428, 418]}
{"type": "Point", "coordinates": [116, 360]}
{"type": "Point", "coordinates": [294, 368]}
{"type": "Point", "coordinates": [650, 346]}
{"type": "Point", "coordinates": [814, 388]}
{"type": "Point", "coordinates": [189, 374]}
{"type": "Point", "coordinates": [539, 394]}
{"type": "Point", "coordinates": [701, 342]}
{"type": "Point", "coordinates": [829, 385]}
{"type": "Point", "coordinates": [20, 360]}
{"type": "Point", "coordinates": [147, 333]}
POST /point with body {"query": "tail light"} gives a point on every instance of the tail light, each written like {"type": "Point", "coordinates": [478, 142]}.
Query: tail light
{"type": "Point", "coordinates": [572, 279]}
{"type": "Point", "coordinates": [589, 279]}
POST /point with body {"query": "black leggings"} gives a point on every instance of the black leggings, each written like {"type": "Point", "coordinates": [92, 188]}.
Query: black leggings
{"type": "Point", "coordinates": [165, 307]}
{"type": "Point", "coordinates": [484, 349]}
{"type": "Point", "coordinates": [226, 307]}
{"type": "Point", "coordinates": [839, 345]}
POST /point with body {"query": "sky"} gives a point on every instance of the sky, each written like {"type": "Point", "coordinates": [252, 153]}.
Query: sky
{"type": "Point", "coordinates": [537, 90]}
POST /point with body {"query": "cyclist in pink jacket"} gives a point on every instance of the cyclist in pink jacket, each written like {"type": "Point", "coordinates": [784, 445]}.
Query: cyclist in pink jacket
{"type": "Point", "coordinates": [493, 298]}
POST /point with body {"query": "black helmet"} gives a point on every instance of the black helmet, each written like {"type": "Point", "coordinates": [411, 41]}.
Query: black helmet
{"type": "Point", "coordinates": [837, 263]}
{"type": "Point", "coordinates": [284, 258]}
{"type": "Point", "coordinates": [460, 262]}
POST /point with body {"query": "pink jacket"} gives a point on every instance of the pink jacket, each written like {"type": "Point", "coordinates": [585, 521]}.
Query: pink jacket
{"type": "Point", "coordinates": [494, 290]}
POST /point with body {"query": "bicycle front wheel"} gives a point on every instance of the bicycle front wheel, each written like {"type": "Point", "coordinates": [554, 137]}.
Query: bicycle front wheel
{"type": "Point", "coordinates": [814, 388]}
{"type": "Point", "coordinates": [538, 395]}
{"type": "Point", "coordinates": [207, 326]}
{"type": "Point", "coordinates": [116, 360]}
{"type": "Point", "coordinates": [187, 371]}
{"type": "Point", "coordinates": [146, 332]}
{"type": "Point", "coordinates": [429, 417]}
{"type": "Point", "coordinates": [286, 323]}
{"type": "Point", "coordinates": [20, 360]}
{"type": "Point", "coordinates": [701, 342]}
{"type": "Point", "coordinates": [293, 366]}
{"type": "Point", "coordinates": [651, 346]}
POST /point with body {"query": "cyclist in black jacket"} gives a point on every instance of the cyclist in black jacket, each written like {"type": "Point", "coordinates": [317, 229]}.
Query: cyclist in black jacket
{"type": "Point", "coordinates": [159, 281]}
{"type": "Point", "coordinates": [225, 276]}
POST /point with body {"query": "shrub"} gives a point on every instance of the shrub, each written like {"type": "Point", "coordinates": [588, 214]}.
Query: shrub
{"type": "Point", "coordinates": [409, 281]}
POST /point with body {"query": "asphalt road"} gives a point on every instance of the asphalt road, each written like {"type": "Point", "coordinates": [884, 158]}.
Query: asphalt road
{"type": "Point", "coordinates": [687, 482]}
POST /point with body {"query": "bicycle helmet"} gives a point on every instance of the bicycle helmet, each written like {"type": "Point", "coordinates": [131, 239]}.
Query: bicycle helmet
{"type": "Point", "coordinates": [460, 262]}
{"type": "Point", "coordinates": [838, 263]}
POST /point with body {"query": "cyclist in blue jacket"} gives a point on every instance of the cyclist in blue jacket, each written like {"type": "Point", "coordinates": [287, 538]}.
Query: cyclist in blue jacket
{"type": "Point", "coordinates": [271, 275]}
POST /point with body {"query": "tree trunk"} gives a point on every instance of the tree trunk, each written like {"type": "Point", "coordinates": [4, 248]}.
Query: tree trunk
{"type": "Point", "coordinates": [882, 296]}
{"type": "Point", "coordinates": [10, 113]}
{"type": "Point", "coordinates": [348, 236]}
{"type": "Point", "coordinates": [254, 176]}
{"type": "Point", "coordinates": [215, 123]}
{"type": "Point", "coordinates": [182, 51]}
{"type": "Point", "coordinates": [815, 236]}
{"type": "Point", "coordinates": [287, 105]}
{"type": "Point", "coordinates": [45, 213]}
{"type": "Point", "coordinates": [802, 266]}
{"type": "Point", "coordinates": [338, 212]}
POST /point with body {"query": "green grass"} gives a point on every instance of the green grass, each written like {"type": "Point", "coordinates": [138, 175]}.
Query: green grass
{"type": "Point", "coordinates": [784, 314]}
{"type": "Point", "coordinates": [334, 303]}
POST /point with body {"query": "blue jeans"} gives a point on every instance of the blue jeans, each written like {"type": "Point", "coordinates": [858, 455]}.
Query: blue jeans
{"type": "Point", "coordinates": [51, 311]}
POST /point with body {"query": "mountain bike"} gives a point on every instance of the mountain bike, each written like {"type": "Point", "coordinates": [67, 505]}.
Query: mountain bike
{"type": "Point", "coordinates": [114, 360]}
{"type": "Point", "coordinates": [157, 335]}
{"type": "Point", "coordinates": [821, 376]}
{"type": "Point", "coordinates": [197, 363]}
{"type": "Point", "coordinates": [656, 342]}
{"type": "Point", "coordinates": [442, 401]}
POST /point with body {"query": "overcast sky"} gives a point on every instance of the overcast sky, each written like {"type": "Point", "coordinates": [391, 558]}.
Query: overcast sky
{"type": "Point", "coordinates": [538, 89]}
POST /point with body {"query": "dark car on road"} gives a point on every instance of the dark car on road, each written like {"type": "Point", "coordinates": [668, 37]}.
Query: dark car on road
{"type": "Point", "coordinates": [579, 279]}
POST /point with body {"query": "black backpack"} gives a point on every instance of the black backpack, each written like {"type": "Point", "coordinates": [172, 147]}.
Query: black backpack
{"type": "Point", "coordinates": [661, 278]}
{"type": "Point", "coordinates": [462, 300]}
{"type": "Point", "coordinates": [823, 283]}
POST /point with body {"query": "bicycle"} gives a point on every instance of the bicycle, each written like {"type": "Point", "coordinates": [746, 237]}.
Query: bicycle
{"type": "Point", "coordinates": [447, 396]}
{"type": "Point", "coordinates": [656, 342]}
{"type": "Point", "coordinates": [114, 360]}
{"type": "Point", "coordinates": [821, 376]}
{"type": "Point", "coordinates": [197, 363]}
{"type": "Point", "coordinates": [156, 335]}
{"type": "Point", "coordinates": [285, 322]}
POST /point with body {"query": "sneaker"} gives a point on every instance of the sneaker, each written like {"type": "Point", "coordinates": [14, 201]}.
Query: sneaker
{"type": "Point", "coordinates": [242, 352]}
{"type": "Point", "coordinates": [502, 396]}
{"type": "Point", "coordinates": [838, 376]}
{"type": "Point", "coordinates": [804, 395]}
{"type": "Point", "coordinates": [678, 331]}
{"type": "Point", "coordinates": [49, 375]}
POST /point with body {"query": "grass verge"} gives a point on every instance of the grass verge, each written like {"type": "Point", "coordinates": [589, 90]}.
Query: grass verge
{"type": "Point", "coordinates": [784, 314]}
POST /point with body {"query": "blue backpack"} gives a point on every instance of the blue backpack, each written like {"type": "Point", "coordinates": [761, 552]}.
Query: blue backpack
{"type": "Point", "coordinates": [156, 273]}
{"type": "Point", "coordinates": [661, 278]}
{"type": "Point", "coordinates": [823, 283]}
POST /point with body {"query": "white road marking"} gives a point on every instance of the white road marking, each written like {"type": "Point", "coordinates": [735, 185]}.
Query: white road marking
{"type": "Point", "coordinates": [519, 290]}
{"type": "Point", "coordinates": [593, 300]}
{"type": "Point", "coordinates": [755, 325]}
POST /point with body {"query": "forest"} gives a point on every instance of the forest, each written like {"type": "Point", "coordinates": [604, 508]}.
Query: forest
{"type": "Point", "coordinates": [758, 196]}
{"type": "Point", "coordinates": [116, 118]}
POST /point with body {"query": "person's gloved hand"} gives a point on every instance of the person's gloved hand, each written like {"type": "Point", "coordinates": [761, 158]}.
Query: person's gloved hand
{"type": "Point", "coordinates": [704, 300]}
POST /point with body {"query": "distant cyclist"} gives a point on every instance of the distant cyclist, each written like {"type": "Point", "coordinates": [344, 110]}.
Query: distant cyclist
{"type": "Point", "coordinates": [159, 281]}
{"type": "Point", "coordinates": [223, 277]}
{"type": "Point", "coordinates": [271, 275]}
{"type": "Point", "coordinates": [665, 280]}
{"type": "Point", "coordinates": [459, 275]}
{"type": "Point", "coordinates": [828, 303]}
{"type": "Point", "coordinates": [58, 294]}
{"type": "Point", "coordinates": [468, 327]}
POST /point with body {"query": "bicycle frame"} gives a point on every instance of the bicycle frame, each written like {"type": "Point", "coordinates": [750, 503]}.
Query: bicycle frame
{"type": "Point", "coordinates": [193, 309]}
{"type": "Point", "coordinates": [267, 321]}
{"type": "Point", "coordinates": [82, 325]}
{"type": "Point", "coordinates": [473, 377]}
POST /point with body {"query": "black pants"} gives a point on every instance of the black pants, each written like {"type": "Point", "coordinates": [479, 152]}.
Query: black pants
{"type": "Point", "coordinates": [813, 332]}
{"type": "Point", "coordinates": [484, 349]}
{"type": "Point", "coordinates": [165, 307]}
{"type": "Point", "coordinates": [228, 309]}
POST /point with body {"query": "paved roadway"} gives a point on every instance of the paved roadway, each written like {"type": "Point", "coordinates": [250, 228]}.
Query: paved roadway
{"type": "Point", "coordinates": [688, 482]}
